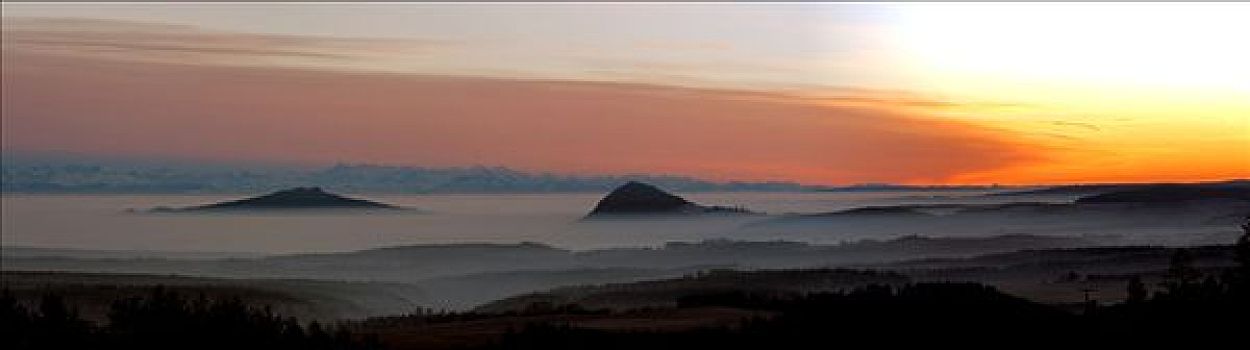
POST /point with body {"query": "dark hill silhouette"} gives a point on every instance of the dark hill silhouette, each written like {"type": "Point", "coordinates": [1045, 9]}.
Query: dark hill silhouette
{"type": "Point", "coordinates": [1096, 189]}
{"type": "Point", "coordinates": [1068, 190]}
{"type": "Point", "coordinates": [1198, 206]}
{"type": "Point", "coordinates": [289, 199]}
{"type": "Point", "coordinates": [1171, 193]}
{"type": "Point", "coordinates": [636, 198]}
{"type": "Point", "coordinates": [881, 211]}
{"type": "Point", "coordinates": [669, 292]}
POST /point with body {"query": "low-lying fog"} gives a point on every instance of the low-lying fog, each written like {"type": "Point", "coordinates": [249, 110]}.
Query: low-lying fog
{"type": "Point", "coordinates": [100, 222]}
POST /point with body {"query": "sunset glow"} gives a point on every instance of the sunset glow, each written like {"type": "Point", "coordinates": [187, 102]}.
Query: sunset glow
{"type": "Point", "coordinates": [815, 93]}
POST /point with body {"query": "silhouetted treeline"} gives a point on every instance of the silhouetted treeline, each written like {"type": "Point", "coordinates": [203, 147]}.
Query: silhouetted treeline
{"type": "Point", "coordinates": [665, 292]}
{"type": "Point", "coordinates": [942, 313]}
{"type": "Point", "coordinates": [1189, 302]}
{"type": "Point", "coordinates": [933, 311]}
{"type": "Point", "coordinates": [166, 320]}
{"type": "Point", "coordinates": [1190, 307]}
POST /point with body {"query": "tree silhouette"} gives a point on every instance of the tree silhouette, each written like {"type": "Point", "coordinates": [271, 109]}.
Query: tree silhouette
{"type": "Point", "coordinates": [16, 322]}
{"type": "Point", "coordinates": [165, 320]}
{"type": "Point", "coordinates": [1181, 274]}
{"type": "Point", "coordinates": [1137, 292]}
{"type": "Point", "coordinates": [1241, 254]}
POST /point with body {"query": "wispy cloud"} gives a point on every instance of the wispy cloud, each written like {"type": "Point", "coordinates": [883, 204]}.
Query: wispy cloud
{"type": "Point", "coordinates": [687, 62]}
{"type": "Point", "coordinates": [678, 45]}
{"type": "Point", "coordinates": [141, 41]}
{"type": "Point", "coordinates": [1079, 125]}
{"type": "Point", "coordinates": [905, 99]}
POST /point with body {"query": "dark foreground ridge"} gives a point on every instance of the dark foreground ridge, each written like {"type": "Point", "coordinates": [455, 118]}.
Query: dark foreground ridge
{"type": "Point", "coordinates": [720, 309]}
{"type": "Point", "coordinates": [794, 309]}
{"type": "Point", "coordinates": [289, 199]}
{"type": "Point", "coordinates": [636, 198]}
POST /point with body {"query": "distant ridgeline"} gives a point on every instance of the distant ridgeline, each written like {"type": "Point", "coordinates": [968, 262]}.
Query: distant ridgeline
{"type": "Point", "coordinates": [18, 175]}
{"type": "Point", "coordinates": [299, 198]}
{"type": "Point", "coordinates": [1233, 190]}
{"type": "Point", "coordinates": [1104, 206]}
{"type": "Point", "coordinates": [640, 199]}
{"type": "Point", "coordinates": [27, 177]}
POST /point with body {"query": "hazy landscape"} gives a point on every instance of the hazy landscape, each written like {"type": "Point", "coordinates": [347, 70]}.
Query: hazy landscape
{"type": "Point", "coordinates": [404, 175]}
{"type": "Point", "coordinates": [494, 246]}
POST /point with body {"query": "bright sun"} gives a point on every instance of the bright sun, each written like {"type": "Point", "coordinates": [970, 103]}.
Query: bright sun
{"type": "Point", "coordinates": [1136, 80]}
{"type": "Point", "coordinates": [1168, 46]}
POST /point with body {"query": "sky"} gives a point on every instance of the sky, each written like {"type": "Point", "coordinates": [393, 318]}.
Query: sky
{"type": "Point", "coordinates": [921, 93]}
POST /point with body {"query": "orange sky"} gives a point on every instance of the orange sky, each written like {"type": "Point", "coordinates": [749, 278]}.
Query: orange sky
{"type": "Point", "coordinates": [211, 112]}
{"type": "Point", "coordinates": [882, 97]}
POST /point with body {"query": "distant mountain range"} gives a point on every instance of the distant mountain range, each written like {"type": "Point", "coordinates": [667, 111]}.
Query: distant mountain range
{"type": "Point", "coordinates": [28, 177]}
{"type": "Point", "coordinates": [21, 175]}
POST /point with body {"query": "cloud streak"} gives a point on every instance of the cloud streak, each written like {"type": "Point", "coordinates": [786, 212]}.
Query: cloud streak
{"type": "Point", "coordinates": [1081, 125]}
{"type": "Point", "coordinates": [167, 43]}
